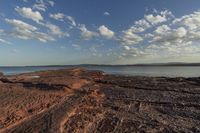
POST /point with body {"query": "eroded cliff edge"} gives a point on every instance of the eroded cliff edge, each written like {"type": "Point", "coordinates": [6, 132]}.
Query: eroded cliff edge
{"type": "Point", "coordinates": [78, 100]}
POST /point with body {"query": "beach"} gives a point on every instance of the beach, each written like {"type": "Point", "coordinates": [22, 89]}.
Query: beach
{"type": "Point", "coordinates": [79, 100]}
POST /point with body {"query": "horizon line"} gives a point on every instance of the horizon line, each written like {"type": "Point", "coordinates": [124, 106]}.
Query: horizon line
{"type": "Point", "coordinates": [137, 64]}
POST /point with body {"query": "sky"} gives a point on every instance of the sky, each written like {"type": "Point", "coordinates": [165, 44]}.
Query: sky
{"type": "Point", "coordinates": [68, 32]}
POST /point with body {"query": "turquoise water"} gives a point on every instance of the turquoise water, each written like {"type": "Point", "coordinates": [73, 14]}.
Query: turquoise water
{"type": "Point", "coordinates": [169, 71]}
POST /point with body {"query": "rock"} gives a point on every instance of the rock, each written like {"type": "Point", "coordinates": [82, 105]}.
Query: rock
{"type": "Point", "coordinates": [98, 102]}
{"type": "Point", "coordinates": [1, 74]}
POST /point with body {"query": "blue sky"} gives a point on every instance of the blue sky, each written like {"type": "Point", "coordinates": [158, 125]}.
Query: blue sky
{"type": "Point", "coordinates": [62, 32]}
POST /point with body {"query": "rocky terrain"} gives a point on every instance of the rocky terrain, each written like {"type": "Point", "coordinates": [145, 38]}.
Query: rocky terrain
{"type": "Point", "coordinates": [82, 101]}
{"type": "Point", "coordinates": [1, 74]}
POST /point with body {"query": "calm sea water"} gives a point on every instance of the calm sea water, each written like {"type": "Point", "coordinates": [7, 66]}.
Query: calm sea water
{"type": "Point", "coordinates": [169, 71]}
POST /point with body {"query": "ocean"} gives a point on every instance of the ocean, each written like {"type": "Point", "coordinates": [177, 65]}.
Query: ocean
{"type": "Point", "coordinates": [155, 71]}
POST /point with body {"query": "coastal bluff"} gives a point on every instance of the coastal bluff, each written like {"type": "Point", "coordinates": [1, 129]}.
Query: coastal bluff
{"type": "Point", "coordinates": [78, 100]}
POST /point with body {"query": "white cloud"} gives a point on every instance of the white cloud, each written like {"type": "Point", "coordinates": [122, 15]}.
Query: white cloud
{"type": "Point", "coordinates": [58, 16]}
{"type": "Point", "coordinates": [129, 38]}
{"type": "Point", "coordinates": [55, 30]}
{"type": "Point", "coordinates": [86, 34]}
{"type": "Point", "coordinates": [31, 35]}
{"type": "Point", "coordinates": [172, 50]}
{"type": "Point", "coordinates": [26, 31]}
{"type": "Point", "coordinates": [29, 13]}
{"type": "Point", "coordinates": [21, 25]}
{"type": "Point", "coordinates": [193, 35]}
{"type": "Point", "coordinates": [168, 42]}
{"type": "Point", "coordinates": [176, 35]}
{"type": "Point", "coordinates": [105, 32]}
{"type": "Point", "coordinates": [166, 13]}
{"type": "Point", "coordinates": [43, 37]}
{"type": "Point", "coordinates": [180, 32]}
{"type": "Point", "coordinates": [127, 48]}
{"type": "Point", "coordinates": [71, 20]}
{"type": "Point", "coordinates": [42, 5]}
{"type": "Point", "coordinates": [106, 13]}
{"type": "Point", "coordinates": [162, 29]}
{"type": "Point", "coordinates": [148, 35]}
{"type": "Point", "coordinates": [179, 37]}
{"type": "Point", "coordinates": [192, 21]}
{"type": "Point", "coordinates": [4, 41]}
{"type": "Point", "coordinates": [62, 17]}
{"type": "Point", "coordinates": [140, 25]}
{"type": "Point", "coordinates": [132, 52]}
{"type": "Point", "coordinates": [52, 3]}
{"type": "Point", "coordinates": [155, 19]}
{"type": "Point", "coordinates": [163, 16]}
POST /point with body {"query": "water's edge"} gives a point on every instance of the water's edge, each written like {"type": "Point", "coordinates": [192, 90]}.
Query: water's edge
{"type": "Point", "coordinates": [152, 71]}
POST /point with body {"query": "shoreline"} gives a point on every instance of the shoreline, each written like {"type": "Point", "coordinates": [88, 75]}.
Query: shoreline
{"type": "Point", "coordinates": [80, 100]}
{"type": "Point", "coordinates": [149, 71]}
